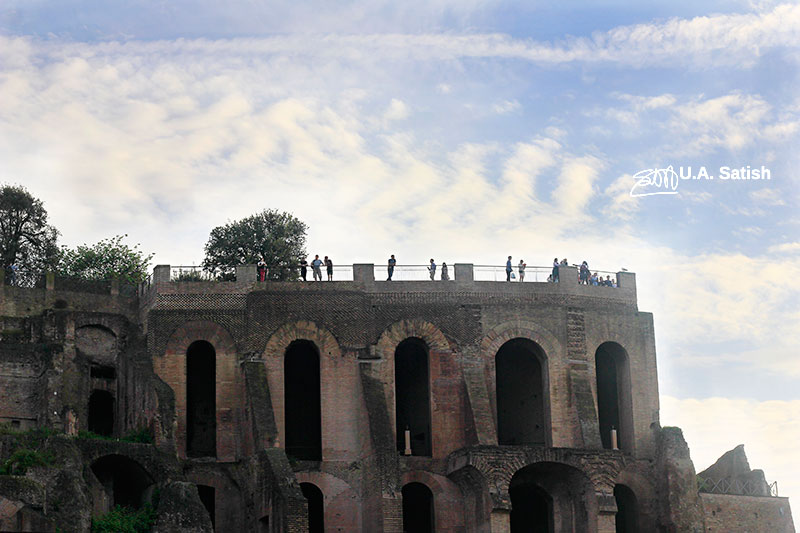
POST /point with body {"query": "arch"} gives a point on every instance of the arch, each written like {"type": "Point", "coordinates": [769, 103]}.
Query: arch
{"type": "Point", "coordinates": [333, 369]}
{"type": "Point", "coordinates": [302, 401]}
{"type": "Point", "coordinates": [207, 496]}
{"type": "Point", "coordinates": [449, 508]}
{"type": "Point", "coordinates": [614, 398]}
{"type": "Point", "coordinates": [627, 518]}
{"type": "Point", "coordinates": [341, 503]}
{"type": "Point", "coordinates": [101, 412]}
{"type": "Point", "coordinates": [316, 507]}
{"type": "Point", "coordinates": [547, 497]}
{"type": "Point", "coordinates": [124, 480]}
{"type": "Point", "coordinates": [522, 393]}
{"type": "Point", "coordinates": [412, 396]}
{"type": "Point", "coordinates": [418, 511]}
{"type": "Point", "coordinates": [445, 376]}
{"type": "Point", "coordinates": [172, 369]}
{"type": "Point", "coordinates": [201, 423]}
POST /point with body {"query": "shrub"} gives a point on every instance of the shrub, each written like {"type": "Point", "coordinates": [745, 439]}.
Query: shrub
{"type": "Point", "coordinates": [125, 520]}
{"type": "Point", "coordinates": [24, 458]}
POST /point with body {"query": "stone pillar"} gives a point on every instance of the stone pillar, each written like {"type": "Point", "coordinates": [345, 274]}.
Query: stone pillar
{"type": "Point", "coordinates": [568, 277]}
{"type": "Point", "coordinates": [500, 521]}
{"type": "Point", "coordinates": [606, 513]}
{"type": "Point", "coordinates": [464, 272]}
{"type": "Point", "coordinates": [364, 272]}
{"type": "Point", "coordinates": [245, 274]}
{"type": "Point", "coordinates": [161, 274]}
{"type": "Point", "coordinates": [626, 280]}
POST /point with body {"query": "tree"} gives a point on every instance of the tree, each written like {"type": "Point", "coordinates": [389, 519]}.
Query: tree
{"type": "Point", "coordinates": [106, 260]}
{"type": "Point", "coordinates": [26, 240]}
{"type": "Point", "coordinates": [279, 238]}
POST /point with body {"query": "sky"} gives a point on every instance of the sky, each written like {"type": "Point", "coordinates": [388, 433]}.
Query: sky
{"type": "Point", "coordinates": [464, 130]}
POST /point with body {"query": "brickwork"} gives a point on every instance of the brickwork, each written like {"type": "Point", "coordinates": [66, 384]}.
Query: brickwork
{"type": "Point", "coordinates": [52, 337]}
{"type": "Point", "coordinates": [726, 512]}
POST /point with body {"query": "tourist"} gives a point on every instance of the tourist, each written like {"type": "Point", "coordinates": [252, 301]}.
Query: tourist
{"type": "Point", "coordinates": [12, 274]}
{"type": "Point", "coordinates": [521, 268]}
{"type": "Point", "coordinates": [594, 279]}
{"type": "Point", "coordinates": [584, 273]}
{"type": "Point", "coordinates": [303, 268]}
{"type": "Point", "coordinates": [262, 270]}
{"type": "Point", "coordinates": [445, 275]}
{"type": "Point", "coordinates": [613, 283]}
{"type": "Point", "coordinates": [432, 269]}
{"type": "Point", "coordinates": [315, 266]}
{"type": "Point", "coordinates": [390, 268]}
{"type": "Point", "coordinates": [554, 275]}
{"type": "Point", "coordinates": [608, 281]}
{"type": "Point", "coordinates": [329, 267]}
{"type": "Point", "coordinates": [509, 269]}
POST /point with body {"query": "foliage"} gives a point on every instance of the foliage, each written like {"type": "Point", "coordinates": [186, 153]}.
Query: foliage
{"type": "Point", "coordinates": [141, 435]}
{"type": "Point", "coordinates": [24, 458]}
{"type": "Point", "coordinates": [279, 238]}
{"type": "Point", "coordinates": [125, 520]}
{"type": "Point", "coordinates": [26, 240]}
{"type": "Point", "coordinates": [106, 260]}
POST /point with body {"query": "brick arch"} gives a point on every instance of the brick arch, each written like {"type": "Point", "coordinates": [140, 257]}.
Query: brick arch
{"type": "Point", "coordinates": [226, 490]}
{"type": "Point", "coordinates": [171, 368]}
{"type": "Point", "coordinates": [402, 330]}
{"type": "Point", "coordinates": [326, 343]}
{"type": "Point", "coordinates": [627, 438]}
{"type": "Point", "coordinates": [342, 504]}
{"type": "Point", "coordinates": [448, 416]}
{"type": "Point", "coordinates": [448, 508]}
{"type": "Point", "coordinates": [333, 368]}
{"type": "Point", "coordinates": [496, 337]}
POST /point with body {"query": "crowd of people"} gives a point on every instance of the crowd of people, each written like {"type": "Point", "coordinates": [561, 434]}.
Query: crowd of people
{"type": "Point", "coordinates": [585, 276]}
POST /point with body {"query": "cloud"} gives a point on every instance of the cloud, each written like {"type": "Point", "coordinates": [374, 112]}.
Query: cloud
{"type": "Point", "coordinates": [785, 248]}
{"type": "Point", "coordinates": [506, 106]}
{"type": "Point", "coordinates": [621, 205]}
{"type": "Point", "coordinates": [397, 110]}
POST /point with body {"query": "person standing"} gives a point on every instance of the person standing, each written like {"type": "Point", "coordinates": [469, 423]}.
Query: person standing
{"type": "Point", "coordinates": [390, 267]}
{"type": "Point", "coordinates": [509, 269]}
{"type": "Point", "coordinates": [432, 269]}
{"type": "Point", "coordinates": [329, 267]}
{"type": "Point", "coordinates": [262, 270]}
{"type": "Point", "coordinates": [315, 267]}
{"type": "Point", "coordinates": [521, 268]}
{"type": "Point", "coordinates": [445, 275]}
{"type": "Point", "coordinates": [554, 275]}
{"type": "Point", "coordinates": [303, 268]}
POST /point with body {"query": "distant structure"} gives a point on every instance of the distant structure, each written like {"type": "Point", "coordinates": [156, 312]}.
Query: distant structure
{"type": "Point", "coordinates": [352, 406]}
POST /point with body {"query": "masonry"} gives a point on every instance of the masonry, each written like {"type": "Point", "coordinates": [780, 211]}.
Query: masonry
{"type": "Point", "coordinates": [461, 406]}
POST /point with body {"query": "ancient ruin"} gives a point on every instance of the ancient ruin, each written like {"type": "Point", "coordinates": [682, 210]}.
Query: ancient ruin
{"type": "Point", "coordinates": [364, 405]}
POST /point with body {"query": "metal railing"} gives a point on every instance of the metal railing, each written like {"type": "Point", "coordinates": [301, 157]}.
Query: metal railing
{"type": "Point", "coordinates": [737, 486]}
{"type": "Point", "coordinates": [535, 274]}
{"type": "Point", "coordinates": [192, 273]}
{"type": "Point", "coordinates": [411, 272]}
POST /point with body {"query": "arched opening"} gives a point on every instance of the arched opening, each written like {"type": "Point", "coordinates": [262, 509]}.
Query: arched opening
{"type": "Point", "coordinates": [303, 412]}
{"type": "Point", "coordinates": [206, 494]}
{"type": "Point", "coordinates": [125, 481]}
{"type": "Point", "coordinates": [627, 519]}
{"type": "Point", "coordinates": [201, 401]}
{"type": "Point", "coordinates": [521, 386]}
{"type": "Point", "coordinates": [316, 508]}
{"type": "Point", "coordinates": [614, 408]}
{"type": "Point", "coordinates": [548, 497]}
{"type": "Point", "coordinates": [412, 396]}
{"type": "Point", "coordinates": [101, 412]}
{"type": "Point", "coordinates": [531, 509]}
{"type": "Point", "coordinates": [417, 509]}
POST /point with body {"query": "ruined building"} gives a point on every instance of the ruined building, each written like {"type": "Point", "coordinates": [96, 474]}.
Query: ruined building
{"type": "Point", "coordinates": [461, 406]}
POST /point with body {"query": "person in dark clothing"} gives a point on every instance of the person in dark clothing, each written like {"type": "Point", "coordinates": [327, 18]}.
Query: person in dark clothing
{"type": "Point", "coordinates": [303, 268]}
{"type": "Point", "coordinates": [509, 269]}
{"type": "Point", "coordinates": [392, 262]}
{"type": "Point", "coordinates": [329, 267]}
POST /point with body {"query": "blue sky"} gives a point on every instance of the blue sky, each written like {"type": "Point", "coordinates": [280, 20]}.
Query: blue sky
{"type": "Point", "coordinates": [464, 130]}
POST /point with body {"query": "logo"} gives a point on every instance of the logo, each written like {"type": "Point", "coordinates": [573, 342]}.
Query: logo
{"type": "Point", "coordinates": [653, 181]}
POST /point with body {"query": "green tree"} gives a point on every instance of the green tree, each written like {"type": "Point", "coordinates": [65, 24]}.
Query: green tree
{"type": "Point", "coordinates": [105, 260]}
{"type": "Point", "coordinates": [26, 240]}
{"type": "Point", "coordinates": [279, 238]}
